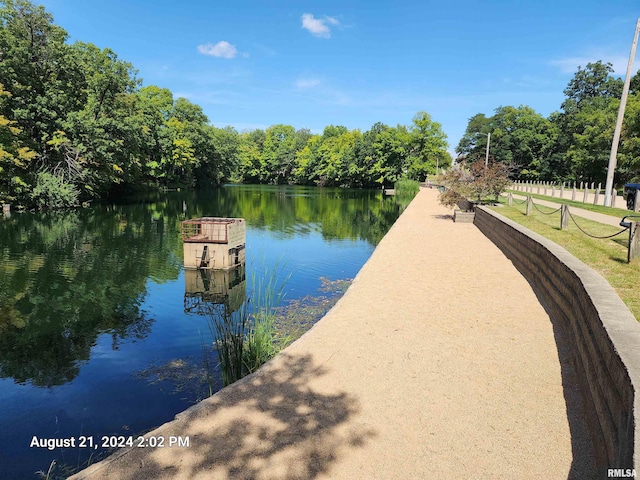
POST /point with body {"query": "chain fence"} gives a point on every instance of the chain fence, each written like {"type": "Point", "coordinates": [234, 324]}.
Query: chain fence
{"type": "Point", "coordinates": [571, 217]}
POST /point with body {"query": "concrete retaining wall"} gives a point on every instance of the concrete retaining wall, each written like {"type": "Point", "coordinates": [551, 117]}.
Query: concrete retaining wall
{"type": "Point", "coordinates": [603, 335]}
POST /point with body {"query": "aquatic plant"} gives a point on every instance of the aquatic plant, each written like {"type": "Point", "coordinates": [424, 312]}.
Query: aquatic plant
{"type": "Point", "coordinates": [262, 340]}
{"type": "Point", "coordinates": [228, 330]}
{"type": "Point", "coordinates": [247, 338]}
{"type": "Point", "coordinates": [406, 188]}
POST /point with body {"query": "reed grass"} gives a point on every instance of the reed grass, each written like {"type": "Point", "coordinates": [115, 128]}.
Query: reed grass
{"type": "Point", "coordinates": [406, 188]}
{"type": "Point", "coordinates": [248, 338]}
{"type": "Point", "coordinates": [262, 340]}
{"type": "Point", "coordinates": [228, 330]}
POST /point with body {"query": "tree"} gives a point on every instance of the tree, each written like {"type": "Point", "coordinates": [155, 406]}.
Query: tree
{"type": "Point", "coordinates": [40, 71]}
{"type": "Point", "coordinates": [97, 143]}
{"type": "Point", "coordinates": [279, 153]}
{"type": "Point", "coordinates": [428, 147]}
{"type": "Point", "coordinates": [477, 128]}
{"type": "Point", "coordinates": [587, 119]}
{"type": "Point", "coordinates": [15, 158]}
{"type": "Point", "coordinates": [477, 182]}
{"type": "Point", "coordinates": [251, 168]}
{"type": "Point", "coordinates": [218, 165]}
{"type": "Point", "coordinates": [520, 137]}
{"type": "Point", "coordinates": [154, 106]}
{"type": "Point", "coordinates": [594, 81]}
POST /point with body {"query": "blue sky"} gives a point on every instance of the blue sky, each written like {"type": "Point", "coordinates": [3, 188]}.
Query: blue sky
{"type": "Point", "coordinates": [310, 64]}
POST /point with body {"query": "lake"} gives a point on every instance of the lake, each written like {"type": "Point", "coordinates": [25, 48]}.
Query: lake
{"type": "Point", "coordinates": [102, 332]}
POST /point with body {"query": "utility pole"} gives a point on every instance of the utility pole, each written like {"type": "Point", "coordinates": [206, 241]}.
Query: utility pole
{"type": "Point", "coordinates": [613, 157]}
{"type": "Point", "coordinates": [486, 157]}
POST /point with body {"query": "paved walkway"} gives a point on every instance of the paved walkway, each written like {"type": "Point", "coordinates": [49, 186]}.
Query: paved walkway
{"type": "Point", "coordinates": [438, 362]}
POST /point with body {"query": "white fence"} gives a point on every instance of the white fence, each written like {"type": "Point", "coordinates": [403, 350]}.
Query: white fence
{"type": "Point", "coordinates": [582, 192]}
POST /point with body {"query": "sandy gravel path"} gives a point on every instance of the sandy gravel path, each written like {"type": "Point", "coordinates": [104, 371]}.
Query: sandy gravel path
{"type": "Point", "coordinates": [438, 362]}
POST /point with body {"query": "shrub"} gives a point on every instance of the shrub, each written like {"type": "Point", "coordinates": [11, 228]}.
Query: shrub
{"type": "Point", "coordinates": [51, 191]}
{"type": "Point", "coordinates": [478, 182]}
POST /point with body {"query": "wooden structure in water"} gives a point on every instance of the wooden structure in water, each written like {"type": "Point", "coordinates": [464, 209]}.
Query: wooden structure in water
{"type": "Point", "coordinates": [208, 288]}
{"type": "Point", "coordinates": [212, 242]}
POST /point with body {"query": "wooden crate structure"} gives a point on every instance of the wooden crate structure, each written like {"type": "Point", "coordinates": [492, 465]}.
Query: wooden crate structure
{"type": "Point", "coordinates": [212, 242]}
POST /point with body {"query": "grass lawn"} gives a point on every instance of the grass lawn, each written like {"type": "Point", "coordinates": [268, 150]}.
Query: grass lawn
{"type": "Point", "coordinates": [606, 256]}
{"type": "Point", "coordinates": [616, 212]}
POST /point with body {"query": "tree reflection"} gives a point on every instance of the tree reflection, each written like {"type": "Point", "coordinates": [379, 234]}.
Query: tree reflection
{"type": "Point", "coordinates": [68, 277]}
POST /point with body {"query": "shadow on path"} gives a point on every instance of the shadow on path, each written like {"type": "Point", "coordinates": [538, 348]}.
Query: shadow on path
{"type": "Point", "coordinates": [272, 424]}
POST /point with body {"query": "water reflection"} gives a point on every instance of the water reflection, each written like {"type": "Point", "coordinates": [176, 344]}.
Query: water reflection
{"type": "Point", "coordinates": [68, 277]}
{"type": "Point", "coordinates": [93, 306]}
{"type": "Point", "coordinates": [64, 279]}
{"type": "Point", "coordinates": [205, 288]}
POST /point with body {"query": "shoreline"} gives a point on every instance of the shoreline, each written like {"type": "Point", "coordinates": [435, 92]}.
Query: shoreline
{"type": "Point", "coordinates": [413, 373]}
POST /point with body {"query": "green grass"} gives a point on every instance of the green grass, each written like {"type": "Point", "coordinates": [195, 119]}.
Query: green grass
{"type": "Point", "coordinates": [606, 256]}
{"type": "Point", "coordinates": [616, 212]}
{"type": "Point", "coordinates": [406, 188]}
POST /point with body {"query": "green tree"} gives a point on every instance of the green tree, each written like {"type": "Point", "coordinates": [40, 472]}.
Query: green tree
{"type": "Point", "coordinates": [279, 153]}
{"type": "Point", "coordinates": [42, 74]}
{"type": "Point", "coordinates": [428, 147]}
{"type": "Point", "coordinates": [154, 107]}
{"type": "Point", "coordinates": [251, 168]}
{"type": "Point", "coordinates": [15, 158]}
{"type": "Point", "coordinates": [587, 118]}
{"type": "Point", "coordinates": [520, 138]}
{"type": "Point", "coordinates": [474, 138]}
{"type": "Point", "coordinates": [223, 155]}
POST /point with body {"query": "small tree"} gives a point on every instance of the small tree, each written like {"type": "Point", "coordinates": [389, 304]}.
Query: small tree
{"type": "Point", "coordinates": [479, 182]}
{"type": "Point", "coordinates": [457, 182]}
{"type": "Point", "coordinates": [496, 179]}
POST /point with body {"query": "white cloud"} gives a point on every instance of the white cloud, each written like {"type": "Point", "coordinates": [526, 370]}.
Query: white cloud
{"type": "Point", "coordinates": [332, 20]}
{"type": "Point", "coordinates": [571, 64]}
{"type": "Point", "coordinates": [307, 83]}
{"type": "Point", "coordinates": [221, 49]}
{"type": "Point", "coordinates": [318, 27]}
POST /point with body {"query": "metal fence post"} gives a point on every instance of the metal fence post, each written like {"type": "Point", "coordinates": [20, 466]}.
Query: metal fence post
{"type": "Point", "coordinates": [564, 217]}
{"type": "Point", "coordinates": [634, 246]}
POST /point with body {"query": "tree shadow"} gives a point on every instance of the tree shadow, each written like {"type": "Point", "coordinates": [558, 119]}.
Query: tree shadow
{"type": "Point", "coordinates": [443, 217]}
{"type": "Point", "coordinates": [277, 423]}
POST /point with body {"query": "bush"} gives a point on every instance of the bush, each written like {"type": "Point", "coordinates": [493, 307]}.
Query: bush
{"type": "Point", "coordinates": [477, 183]}
{"type": "Point", "coordinates": [51, 191]}
{"type": "Point", "coordinates": [457, 186]}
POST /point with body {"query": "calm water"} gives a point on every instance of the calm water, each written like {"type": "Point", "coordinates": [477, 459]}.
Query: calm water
{"type": "Point", "coordinates": [101, 332]}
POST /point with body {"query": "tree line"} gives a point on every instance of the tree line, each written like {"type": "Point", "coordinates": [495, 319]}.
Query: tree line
{"type": "Point", "coordinates": [572, 144]}
{"type": "Point", "coordinates": [76, 123]}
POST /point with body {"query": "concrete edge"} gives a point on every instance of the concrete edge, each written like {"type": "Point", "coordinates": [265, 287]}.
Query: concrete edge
{"type": "Point", "coordinates": [220, 394]}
